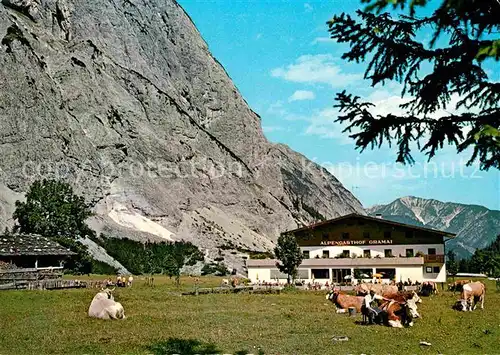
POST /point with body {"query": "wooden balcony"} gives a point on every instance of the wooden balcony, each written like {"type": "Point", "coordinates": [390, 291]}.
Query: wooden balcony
{"type": "Point", "coordinates": [435, 258]}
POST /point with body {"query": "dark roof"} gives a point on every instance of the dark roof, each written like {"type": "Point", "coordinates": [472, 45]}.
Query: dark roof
{"type": "Point", "coordinates": [30, 245]}
{"type": "Point", "coordinates": [375, 219]}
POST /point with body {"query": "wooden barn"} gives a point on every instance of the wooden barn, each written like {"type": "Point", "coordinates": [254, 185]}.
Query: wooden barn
{"type": "Point", "coordinates": [31, 251]}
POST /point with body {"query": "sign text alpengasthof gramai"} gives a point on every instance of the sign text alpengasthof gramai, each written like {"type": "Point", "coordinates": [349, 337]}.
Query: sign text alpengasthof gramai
{"type": "Point", "coordinates": [356, 242]}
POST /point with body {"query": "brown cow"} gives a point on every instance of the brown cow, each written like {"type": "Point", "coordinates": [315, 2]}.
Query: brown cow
{"type": "Point", "coordinates": [457, 285]}
{"type": "Point", "coordinates": [363, 289]}
{"type": "Point", "coordinates": [403, 296]}
{"type": "Point", "coordinates": [397, 314]}
{"type": "Point", "coordinates": [343, 301]}
{"type": "Point", "coordinates": [472, 293]}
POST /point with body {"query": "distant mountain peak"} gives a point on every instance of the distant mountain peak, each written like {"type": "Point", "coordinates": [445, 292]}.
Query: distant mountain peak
{"type": "Point", "coordinates": [476, 226]}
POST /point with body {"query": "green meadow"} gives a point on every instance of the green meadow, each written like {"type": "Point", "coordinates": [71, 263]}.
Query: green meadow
{"type": "Point", "coordinates": [160, 321]}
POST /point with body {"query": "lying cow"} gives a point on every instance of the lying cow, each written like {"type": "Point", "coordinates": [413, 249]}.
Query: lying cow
{"type": "Point", "coordinates": [104, 306]}
{"type": "Point", "coordinates": [397, 315]}
{"type": "Point", "coordinates": [343, 301]}
{"type": "Point", "coordinates": [458, 285]}
{"type": "Point", "coordinates": [403, 296]}
{"type": "Point", "coordinates": [472, 293]}
{"type": "Point", "coordinates": [363, 289]}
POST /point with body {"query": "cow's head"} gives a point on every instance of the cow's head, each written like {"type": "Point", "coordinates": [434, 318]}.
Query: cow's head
{"type": "Point", "coordinates": [461, 305]}
{"type": "Point", "coordinates": [332, 296]}
{"type": "Point", "coordinates": [416, 297]}
{"type": "Point", "coordinates": [106, 293]}
{"type": "Point", "coordinates": [412, 308]}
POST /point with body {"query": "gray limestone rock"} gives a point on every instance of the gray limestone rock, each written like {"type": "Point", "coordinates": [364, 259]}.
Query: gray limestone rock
{"type": "Point", "coordinates": [124, 100]}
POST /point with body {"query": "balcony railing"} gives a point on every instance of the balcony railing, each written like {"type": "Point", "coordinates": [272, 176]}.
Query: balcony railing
{"type": "Point", "coordinates": [435, 258]}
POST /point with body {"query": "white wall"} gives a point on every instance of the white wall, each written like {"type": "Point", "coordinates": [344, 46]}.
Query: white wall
{"type": "Point", "coordinates": [414, 273]}
{"type": "Point", "coordinates": [374, 249]}
{"type": "Point", "coordinates": [436, 277]}
{"type": "Point", "coordinates": [258, 273]}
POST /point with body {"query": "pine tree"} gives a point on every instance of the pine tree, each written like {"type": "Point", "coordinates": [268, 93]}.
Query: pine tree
{"type": "Point", "coordinates": [392, 51]}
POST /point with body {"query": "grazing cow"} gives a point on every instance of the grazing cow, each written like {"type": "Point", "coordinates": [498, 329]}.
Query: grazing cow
{"type": "Point", "coordinates": [398, 315]}
{"type": "Point", "coordinates": [458, 285]}
{"type": "Point", "coordinates": [363, 289]}
{"type": "Point", "coordinates": [104, 306]}
{"type": "Point", "coordinates": [428, 288]}
{"type": "Point", "coordinates": [343, 301]}
{"type": "Point", "coordinates": [472, 293]}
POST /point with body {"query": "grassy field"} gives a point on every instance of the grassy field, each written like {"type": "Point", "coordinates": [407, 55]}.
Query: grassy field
{"type": "Point", "coordinates": [160, 322]}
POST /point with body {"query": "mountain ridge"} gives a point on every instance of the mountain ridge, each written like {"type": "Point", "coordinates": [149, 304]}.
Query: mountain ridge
{"type": "Point", "coordinates": [125, 101]}
{"type": "Point", "coordinates": [476, 226]}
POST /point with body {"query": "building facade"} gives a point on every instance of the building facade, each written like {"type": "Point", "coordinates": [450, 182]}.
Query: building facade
{"type": "Point", "coordinates": [362, 247]}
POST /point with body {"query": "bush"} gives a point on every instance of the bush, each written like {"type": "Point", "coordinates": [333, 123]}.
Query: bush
{"type": "Point", "coordinates": [148, 258]}
{"type": "Point", "coordinates": [217, 269]}
{"type": "Point", "coordinates": [102, 268]}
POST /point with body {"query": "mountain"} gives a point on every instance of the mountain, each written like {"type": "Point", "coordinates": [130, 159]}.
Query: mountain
{"type": "Point", "coordinates": [123, 99]}
{"type": "Point", "coordinates": [475, 226]}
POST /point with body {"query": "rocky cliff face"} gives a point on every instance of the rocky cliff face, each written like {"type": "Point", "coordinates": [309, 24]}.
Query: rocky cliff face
{"type": "Point", "coordinates": [124, 100]}
{"type": "Point", "coordinates": [476, 226]}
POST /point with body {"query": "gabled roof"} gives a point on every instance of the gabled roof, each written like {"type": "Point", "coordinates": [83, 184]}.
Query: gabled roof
{"type": "Point", "coordinates": [30, 245]}
{"type": "Point", "coordinates": [374, 219]}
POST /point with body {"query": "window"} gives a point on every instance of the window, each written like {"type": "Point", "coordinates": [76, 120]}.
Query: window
{"type": "Point", "coordinates": [346, 253]}
{"type": "Point", "coordinates": [409, 253]}
{"type": "Point", "coordinates": [366, 273]}
{"type": "Point", "coordinates": [428, 270]}
{"type": "Point", "coordinates": [345, 236]}
{"type": "Point", "coordinates": [366, 254]}
{"type": "Point", "coordinates": [388, 253]}
{"type": "Point", "coordinates": [436, 269]}
{"type": "Point", "coordinates": [320, 273]}
{"type": "Point", "coordinates": [431, 251]}
{"type": "Point", "coordinates": [326, 254]}
{"type": "Point", "coordinates": [305, 253]}
{"type": "Point", "coordinates": [366, 235]}
{"type": "Point", "coordinates": [409, 234]}
{"type": "Point", "coordinates": [387, 234]}
{"type": "Point", "coordinates": [386, 273]}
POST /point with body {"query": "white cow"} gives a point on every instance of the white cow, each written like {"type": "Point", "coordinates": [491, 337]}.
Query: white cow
{"type": "Point", "coordinates": [104, 306]}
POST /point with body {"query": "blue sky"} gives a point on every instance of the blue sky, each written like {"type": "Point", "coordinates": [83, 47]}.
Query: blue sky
{"type": "Point", "coordinates": [280, 57]}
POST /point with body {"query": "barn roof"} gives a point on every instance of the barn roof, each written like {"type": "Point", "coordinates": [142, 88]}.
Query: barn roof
{"type": "Point", "coordinates": [30, 245]}
{"type": "Point", "coordinates": [373, 219]}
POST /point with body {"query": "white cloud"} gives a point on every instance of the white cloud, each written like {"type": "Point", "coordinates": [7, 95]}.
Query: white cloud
{"type": "Point", "coordinates": [319, 69]}
{"type": "Point", "coordinates": [323, 124]}
{"type": "Point", "coordinates": [301, 95]}
{"type": "Point", "coordinates": [322, 40]}
{"type": "Point", "coordinates": [276, 108]}
{"type": "Point", "coordinates": [308, 7]}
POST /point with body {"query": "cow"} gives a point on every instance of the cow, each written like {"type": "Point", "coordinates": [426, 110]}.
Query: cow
{"type": "Point", "coordinates": [428, 288]}
{"type": "Point", "coordinates": [457, 285]}
{"type": "Point", "coordinates": [472, 293]}
{"type": "Point", "coordinates": [343, 301]}
{"type": "Point", "coordinates": [104, 306]}
{"type": "Point", "coordinates": [363, 289]}
{"type": "Point", "coordinates": [399, 314]}
{"type": "Point", "coordinates": [403, 296]}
